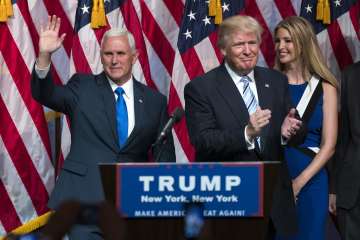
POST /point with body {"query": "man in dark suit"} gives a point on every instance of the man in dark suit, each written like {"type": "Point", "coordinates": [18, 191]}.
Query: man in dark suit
{"type": "Point", "coordinates": [113, 117]}
{"type": "Point", "coordinates": [347, 160]}
{"type": "Point", "coordinates": [229, 122]}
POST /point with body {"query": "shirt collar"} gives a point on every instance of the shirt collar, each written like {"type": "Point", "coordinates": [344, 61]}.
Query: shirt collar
{"type": "Point", "coordinates": [236, 77]}
{"type": "Point", "coordinates": [127, 86]}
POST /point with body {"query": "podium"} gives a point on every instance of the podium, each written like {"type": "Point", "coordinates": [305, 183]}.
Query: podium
{"type": "Point", "coordinates": [244, 227]}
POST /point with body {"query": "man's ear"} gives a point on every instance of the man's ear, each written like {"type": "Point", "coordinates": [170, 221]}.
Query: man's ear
{"type": "Point", "coordinates": [135, 56]}
{"type": "Point", "coordinates": [223, 51]}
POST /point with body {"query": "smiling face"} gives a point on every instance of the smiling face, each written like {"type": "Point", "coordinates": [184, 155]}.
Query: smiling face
{"type": "Point", "coordinates": [118, 58]}
{"type": "Point", "coordinates": [241, 51]}
{"type": "Point", "coordinates": [284, 47]}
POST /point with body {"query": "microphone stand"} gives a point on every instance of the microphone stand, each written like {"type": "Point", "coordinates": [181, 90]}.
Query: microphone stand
{"type": "Point", "coordinates": [160, 146]}
{"type": "Point", "coordinates": [162, 138]}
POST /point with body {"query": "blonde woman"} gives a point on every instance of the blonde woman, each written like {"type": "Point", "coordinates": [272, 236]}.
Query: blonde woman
{"type": "Point", "coordinates": [313, 91]}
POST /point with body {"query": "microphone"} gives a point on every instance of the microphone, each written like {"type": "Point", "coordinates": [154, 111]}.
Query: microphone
{"type": "Point", "coordinates": [175, 117]}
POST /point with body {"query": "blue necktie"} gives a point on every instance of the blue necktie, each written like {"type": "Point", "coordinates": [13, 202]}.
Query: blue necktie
{"type": "Point", "coordinates": [121, 117]}
{"type": "Point", "coordinates": [249, 99]}
{"type": "Point", "coordinates": [248, 95]}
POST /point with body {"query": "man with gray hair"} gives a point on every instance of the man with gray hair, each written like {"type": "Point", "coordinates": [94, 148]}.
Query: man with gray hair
{"type": "Point", "coordinates": [240, 112]}
{"type": "Point", "coordinates": [113, 117]}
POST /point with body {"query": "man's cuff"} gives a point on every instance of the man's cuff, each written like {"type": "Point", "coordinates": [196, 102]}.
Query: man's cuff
{"type": "Point", "coordinates": [41, 72]}
{"type": "Point", "coordinates": [284, 141]}
{"type": "Point", "coordinates": [250, 144]}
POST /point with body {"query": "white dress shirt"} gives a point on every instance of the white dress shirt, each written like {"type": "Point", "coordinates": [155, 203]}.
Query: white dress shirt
{"type": "Point", "coordinates": [240, 86]}
{"type": "Point", "coordinates": [129, 100]}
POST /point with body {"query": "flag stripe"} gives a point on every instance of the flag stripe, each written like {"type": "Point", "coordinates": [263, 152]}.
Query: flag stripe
{"type": "Point", "coordinates": [164, 21]}
{"type": "Point", "coordinates": [176, 8]}
{"type": "Point", "coordinates": [192, 63]}
{"type": "Point", "coordinates": [213, 39]}
{"type": "Point", "coordinates": [324, 41]}
{"type": "Point", "coordinates": [8, 216]}
{"type": "Point", "coordinates": [206, 54]}
{"type": "Point", "coordinates": [20, 200]}
{"type": "Point", "coordinates": [19, 71]}
{"type": "Point", "coordinates": [285, 8]}
{"type": "Point", "coordinates": [133, 24]}
{"type": "Point", "coordinates": [79, 57]}
{"type": "Point", "coordinates": [25, 127]}
{"type": "Point", "coordinates": [54, 7]}
{"type": "Point", "coordinates": [180, 128]}
{"type": "Point", "coordinates": [267, 45]}
{"type": "Point", "coordinates": [355, 16]}
{"type": "Point", "coordinates": [339, 46]}
{"type": "Point", "coordinates": [347, 29]}
{"type": "Point", "coordinates": [40, 18]}
{"type": "Point", "coordinates": [22, 161]}
{"type": "Point", "coordinates": [157, 39]}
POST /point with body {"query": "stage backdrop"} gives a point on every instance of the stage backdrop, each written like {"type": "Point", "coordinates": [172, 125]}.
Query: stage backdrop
{"type": "Point", "coordinates": [177, 42]}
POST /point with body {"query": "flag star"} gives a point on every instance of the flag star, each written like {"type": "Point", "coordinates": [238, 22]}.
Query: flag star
{"type": "Point", "coordinates": [187, 34]}
{"type": "Point", "coordinates": [206, 20]}
{"type": "Point", "coordinates": [191, 15]}
{"type": "Point", "coordinates": [85, 9]}
{"type": "Point", "coordinates": [337, 3]}
{"type": "Point", "coordinates": [308, 8]}
{"type": "Point", "coordinates": [225, 7]}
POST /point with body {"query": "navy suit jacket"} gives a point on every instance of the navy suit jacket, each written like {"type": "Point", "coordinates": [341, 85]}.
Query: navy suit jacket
{"type": "Point", "coordinates": [347, 156]}
{"type": "Point", "coordinates": [216, 117]}
{"type": "Point", "coordinates": [89, 102]}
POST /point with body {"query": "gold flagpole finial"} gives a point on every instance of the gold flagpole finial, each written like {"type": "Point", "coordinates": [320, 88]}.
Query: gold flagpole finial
{"type": "Point", "coordinates": [102, 18]}
{"type": "Point", "coordinates": [327, 15]}
{"type": "Point", "coordinates": [9, 9]}
{"type": "Point", "coordinates": [95, 14]}
{"type": "Point", "coordinates": [98, 16]}
{"type": "Point", "coordinates": [3, 15]}
{"type": "Point", "coordinates": [218, 16]}
{"type": "Point", "coordinates": [212, 8]}
{"type": "Point", "coordinates": [215, 10]}
{"type": "Point", "coordinates": [320, 10]}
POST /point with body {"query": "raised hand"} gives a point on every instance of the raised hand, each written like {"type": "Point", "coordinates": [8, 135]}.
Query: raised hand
{"type": "Point", "coordinates": [49, 40]}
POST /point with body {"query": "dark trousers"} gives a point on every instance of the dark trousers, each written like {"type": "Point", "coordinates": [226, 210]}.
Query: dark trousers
{"type": "Point", "coordinates": [349, 222]}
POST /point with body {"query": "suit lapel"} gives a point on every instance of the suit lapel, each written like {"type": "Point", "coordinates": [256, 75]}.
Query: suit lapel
{"type": "Point", "coordinates": [109, 106]}
{"type": "Point", "coordinates": [263, 87]}
{"type": "Point", "coordinates": [231, 95]}
{"type": "Point", "coordinates": [138, 112]}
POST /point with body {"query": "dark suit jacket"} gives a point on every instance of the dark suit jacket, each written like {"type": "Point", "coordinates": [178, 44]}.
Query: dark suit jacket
{"type": "Point", "coordinates": [89, 102]}
{"type": "Point", "coordinates": [347, 157]}
{"type": "Point", "coordinates": [216, 117]}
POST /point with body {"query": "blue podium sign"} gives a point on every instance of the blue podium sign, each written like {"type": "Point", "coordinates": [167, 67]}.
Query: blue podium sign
{"type": "Point", "coordinates": [163, 189]}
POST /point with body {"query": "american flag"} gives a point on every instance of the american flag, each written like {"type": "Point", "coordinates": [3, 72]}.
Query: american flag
{"type": "Point", "coordinates": [177, 42]}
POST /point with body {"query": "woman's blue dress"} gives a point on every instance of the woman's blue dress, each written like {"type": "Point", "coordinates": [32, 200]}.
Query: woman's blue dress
{"type": "Point", "coordinates": [312, 203]}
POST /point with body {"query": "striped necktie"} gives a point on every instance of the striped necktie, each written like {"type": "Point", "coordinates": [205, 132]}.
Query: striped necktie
{"type": "Point", "coordinates": [248, 95]}
{"type": "Point", "coordinates": [121, 116]}
{"type": "Point", "coordinates": [250, 101]}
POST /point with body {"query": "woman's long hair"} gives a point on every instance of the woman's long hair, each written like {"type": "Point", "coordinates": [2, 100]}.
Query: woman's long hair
{"type": "Point", "coordinates": [307, 49]}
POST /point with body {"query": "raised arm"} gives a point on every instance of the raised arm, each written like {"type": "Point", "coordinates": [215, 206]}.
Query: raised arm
{"type": "Point", "coordinates": [49, 40]}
